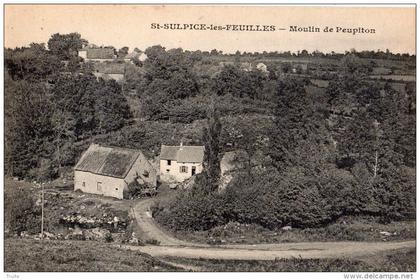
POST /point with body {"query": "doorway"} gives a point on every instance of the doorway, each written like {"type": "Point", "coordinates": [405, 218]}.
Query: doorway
{"type": "Point", "coordinates": [192, 170]}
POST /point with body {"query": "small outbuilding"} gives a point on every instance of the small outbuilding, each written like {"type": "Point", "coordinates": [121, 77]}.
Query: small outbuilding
{"type": "Point", "coordinates": [109, 170]}
{"type": "Point", "coordinates": [178, 163]}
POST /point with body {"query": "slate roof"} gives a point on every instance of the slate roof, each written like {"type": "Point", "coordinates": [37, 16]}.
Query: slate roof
{"type": "Point", "coordinates": [107, 161]}
{"type": "Point", "coordinates": [110, 68]}
{"type": "Point", "coordinates": [182, 153]}
{"type": "Point", "coordinates": [100, 53]}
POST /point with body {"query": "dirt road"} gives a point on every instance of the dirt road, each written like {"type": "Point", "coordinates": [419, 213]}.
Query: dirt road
{"type": "Point", "coordinates": [170, 246]}
{"type": "Point", "coordinates": [151, 230]}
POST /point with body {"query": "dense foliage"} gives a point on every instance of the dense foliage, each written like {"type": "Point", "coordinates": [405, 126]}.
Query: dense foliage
{"type": "Point", "coordinates": [311, 144]}
{"type": "Point", "coordinates": [344, 152]}
{"type": "Point", "coordinates": [48, 109]}
{"type": "Point", "coordinates": [20, 211]}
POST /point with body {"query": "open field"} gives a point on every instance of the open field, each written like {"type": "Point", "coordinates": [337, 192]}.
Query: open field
{"type": "Point", "coordinates": [177, 254]}
{"type": "Point", "coordinates": [83, 256]}
{"type": "Point", "coordinates": [396, 261]}
{"type": "Point", "coordinates": [23, 255]}
{"type": "Point", "coordinates": [404, 78]}
{"type": "Point", "coordinates": [355, 230]}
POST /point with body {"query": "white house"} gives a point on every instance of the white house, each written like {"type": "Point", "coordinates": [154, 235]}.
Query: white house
{"type": "Point", "coordinates": [109, 170]}
{"type": "Point", "coordinates": [178, 163]}
{"type": "Point", "coordinates": [141, 56]}
{"type": "Point", "coordinates": [262, 67]}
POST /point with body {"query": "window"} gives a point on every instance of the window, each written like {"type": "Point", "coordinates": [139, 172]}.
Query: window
{"type": "Point", "coordinates": [167, 170]}
{"type": "Point", "coordinates": [168, 162]}
{"type": "Point", "coordinates": [183, 169]}
{"type": "Point", "coordinates": [99, 186]}
{"type": "Point", "coordinates": [146, 173]}
{"type": "Point", "coordinates": [84, 184]}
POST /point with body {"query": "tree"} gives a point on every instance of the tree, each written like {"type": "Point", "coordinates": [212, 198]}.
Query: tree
{"type": "Point", "coordinates": [65, 46]}
{"type": "Point", "coordinates": [214, 52]}
{"type": "Point", "coordinates": [211, 139]}
{"type": "Point", "coordinates": [286, 67]}
{"type": "Point", "coordinates": [227, 81]}
{"type": "Point", "coordinates": [168, 77]}
{"type": "Point", "coordinates": [28, 128]}
{"type": "Point", "coordinates": [300, 138]}
{"type": "Point", "coordinates": [122, 52]}
{"type": "Point", "coordinates": [89, 106]}
{"type": "Point", "coordinates": [32, 64]}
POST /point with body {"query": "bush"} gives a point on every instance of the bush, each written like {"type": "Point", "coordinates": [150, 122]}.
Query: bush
{"type": "Point", "coordinates": [194, 108]}
{"type": "Point", "coordinates": [192, 209]}
{"type": "Point", "coordinates": [108, 237]}
{"type": "Point", "coordinates": [152, 242]}
{"type": "Point", "coordinates": [20, 211]}
{"type": "Point", "coordinates": [273, 200]}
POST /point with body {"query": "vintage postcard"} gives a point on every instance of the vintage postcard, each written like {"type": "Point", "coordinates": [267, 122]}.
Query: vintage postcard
{"type": "Point", "coordinates": [210, 138]}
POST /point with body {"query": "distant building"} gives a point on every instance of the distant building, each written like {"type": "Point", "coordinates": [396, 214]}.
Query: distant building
{"type": "Point", "coordinates": [300, 68]}
{"type": "Point", "coordinates": [110, 70]}
{"type": "Point", "coordinates": [141, 56]}
{"type": "Point", "coordinates": [97, 54]}
{"type": "Point", "coordinates": [108, 171]}
{"type": "Point", "coordinates": [178, 163]}
{"type": "Point", "coordinates": [262, 67]}
{"type": "Point", "coordinates": [244, 66]}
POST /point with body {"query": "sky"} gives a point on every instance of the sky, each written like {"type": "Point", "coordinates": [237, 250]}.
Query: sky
{"type": "Point", "coordinates": [130, 25]}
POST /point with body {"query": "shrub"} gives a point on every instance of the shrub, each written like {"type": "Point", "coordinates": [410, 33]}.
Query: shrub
{"type": "Point", "coordinates": [192, 209]}
{"type": "Point", "coordinates": [21, 214]}
{"type": "Point", "coordinates": [273, 200]}
{"type": "Point", "coordinates": [152, 242]}
{"type": "Point", "coordinates": [108, 237]}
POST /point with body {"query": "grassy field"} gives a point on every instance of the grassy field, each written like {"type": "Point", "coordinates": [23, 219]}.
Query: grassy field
{"type": "Point", "coordinates": [24, 255]}
{"type": "Point", "coordinates": [354, 229]}
{"type": "Point", "coordinates": [396, 261]}
{"type": "Point", "coordinates": [404, 78]}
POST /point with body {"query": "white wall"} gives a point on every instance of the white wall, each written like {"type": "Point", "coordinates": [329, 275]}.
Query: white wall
{"type": "Point", "coordinates": [117, 77]}
{"type": "Point", "coordinates": [143, 57]}
{"type": "Point", "coordinates": [83, 54]}
{"type": "Point", "coordinates": [110, 186]}
{"type": "Point", "coordinates": [99, 59]}
{"type": "Point", "coordinates": [174, 170]}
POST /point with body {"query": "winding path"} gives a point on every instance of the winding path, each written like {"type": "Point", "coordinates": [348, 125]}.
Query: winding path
{"type": "Point", "coordinates": [173, 247]}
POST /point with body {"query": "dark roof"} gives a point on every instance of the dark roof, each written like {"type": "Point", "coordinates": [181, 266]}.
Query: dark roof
{"type": "Point", "coordinates": [169, 152]}
{"type": "Point", "coordinates": [110, 67]}
{"type": "Point", "coordinates": [182, 153]}
{"type": "Point", "coordinates": [107, 161]}
{"type": "Point", "coordinates": [100, 53]}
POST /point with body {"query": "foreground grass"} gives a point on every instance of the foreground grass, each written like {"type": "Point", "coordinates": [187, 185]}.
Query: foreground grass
{"type": "Point", "coordinates": [25, 255]}
{"type": "Point", "coordinates": [354, 229]}
{"type": "Point", "coordinates": [394, 261]}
